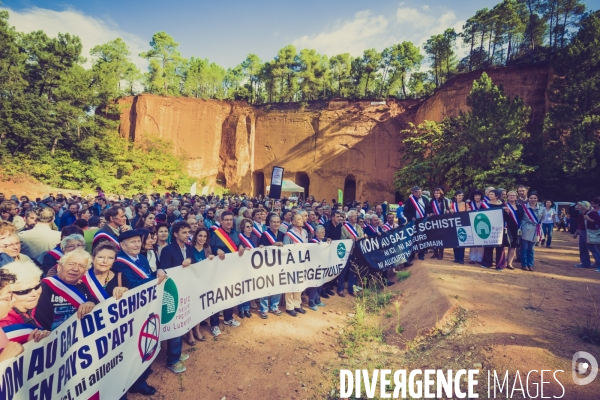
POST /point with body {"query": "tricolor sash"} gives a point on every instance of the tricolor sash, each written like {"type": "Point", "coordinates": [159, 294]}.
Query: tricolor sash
{"type": "Point", "coordinates": [351, 230]}
{"type": "Point", "coordinates": [67, 291]}
{"type": "Point", "coordinates": [513, 213]}
{"type": "Point", "coordinates": [310, 228]}
{"type": "Point", "coordinates": [19, 332]}
{"type": "Point", "coordinates": [486, 199]}
{"type": "Point", "coordinates": [215, 226]}
{"type": "Point", "coordinates": [484, 205]}
{"type": "Point", "coordinates": [322, 220]}
{"type": "Point", "coordinates": [246, 242]}
{"type": "Point", "coordinates": [102, 236]}
{"type": "Point", "coordinates": [257, 229]}
{"type": "Point", "coordinates": [94, 286]}
{"type": "Point", "coordinates": [437, 210]}
{"type": "Point", "coordinates": [286, 224]}
{"type": "Point", "coordinates": [387, 227]}
{"type": "Point", "coordinates": [531, 215]}
{"type": "Point", "coordinates": [374, 230]}
{"type": "Point", "coordinates": [418, 207]}
{"type": "Point", "coordinates": [456, 207]}
{"type": "Point", "coordinates": [295, 238]}
{"type": "Point", "coordinates": [56, 253]}
{"type": "Point", "coordinates": [136, 268]}
{"type": "Point", "coordinates": [313, 240]}
{"type": "Point", "coordinates": [271, 236]}
{"type": "Point", "coordinates": [226, 239]}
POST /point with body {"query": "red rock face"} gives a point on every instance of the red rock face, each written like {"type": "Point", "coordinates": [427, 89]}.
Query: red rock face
{"type": "Point", "coordinates": [339, 144]}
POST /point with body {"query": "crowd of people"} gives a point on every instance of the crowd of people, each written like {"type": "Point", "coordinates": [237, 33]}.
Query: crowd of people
{"type": "Point", "coordinates": [96, 247]}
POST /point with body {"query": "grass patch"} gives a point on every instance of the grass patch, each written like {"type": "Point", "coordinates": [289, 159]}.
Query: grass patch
{"type": "Point", "coordinates": [402, 275]}
{"type": "Point", "coordinates": [374, 299]}
{"type": "Point", "coordinates": [590, 331]}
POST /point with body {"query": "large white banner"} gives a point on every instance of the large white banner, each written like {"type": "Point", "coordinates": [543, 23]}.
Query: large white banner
{"type": "Point", "coordinates": [97, 357]}
{"type": "Point", "coordinates": [198, 291]}
{"type": "Point", "coordinates": [101, 355]}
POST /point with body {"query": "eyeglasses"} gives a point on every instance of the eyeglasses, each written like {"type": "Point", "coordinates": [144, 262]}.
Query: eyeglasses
{"type": "Point", "coordinates": [26, 291]}
{"type": "Point", "coordinates": [13, 245]}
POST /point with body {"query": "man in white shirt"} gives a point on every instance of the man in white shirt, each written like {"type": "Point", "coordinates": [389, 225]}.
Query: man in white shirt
{"type": "Point", "coordinates": [38, 241]}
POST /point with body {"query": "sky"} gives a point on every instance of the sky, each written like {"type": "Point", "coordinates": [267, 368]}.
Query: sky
{"type": "Point", "coordinates": [226, 32]}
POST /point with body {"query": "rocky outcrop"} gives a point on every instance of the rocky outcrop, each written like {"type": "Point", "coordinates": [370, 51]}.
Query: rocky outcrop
{"type": "Point", "coordinates": [325, 146]}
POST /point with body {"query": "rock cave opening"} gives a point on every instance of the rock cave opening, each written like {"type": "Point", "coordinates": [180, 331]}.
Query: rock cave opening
{"type": "Point", "coordinates": [258, 178]}
{"type": "Point", "coordinates": [303, 180]}
{"type": "Point", "coordinates": [349, 189]}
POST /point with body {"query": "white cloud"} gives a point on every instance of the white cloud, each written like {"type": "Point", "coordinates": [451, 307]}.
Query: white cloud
{"type": "Point", "coordinates": [353, 36]}
{"type": "Point", "coordinates": [365, 30]}
{"type": "Point", "coordinates": [92, 31]}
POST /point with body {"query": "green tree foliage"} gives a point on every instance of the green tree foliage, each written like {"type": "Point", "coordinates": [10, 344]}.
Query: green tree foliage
{"type": "Point", "coordinates": [571, 148]}
{"type": "Point", "coordinates": [480, 147]}
{"type": "Point", "coordinates": [52, 128]}
{"type": "Point", "coordinates": [166, 65]}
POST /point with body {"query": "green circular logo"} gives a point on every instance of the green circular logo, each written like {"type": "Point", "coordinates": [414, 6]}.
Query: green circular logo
{"type": "Point", "coordinates": [462, 234]}
{"type": "Point", "coordinates": [170, 301]}
{"type": "Point", "coordinates": [341, 250]}
{"type": "Point", "coordinates": [483, 226]}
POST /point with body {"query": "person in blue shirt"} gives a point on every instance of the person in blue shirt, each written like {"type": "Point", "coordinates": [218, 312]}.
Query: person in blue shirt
{"type": "Point", "coordinates": [69, 216]}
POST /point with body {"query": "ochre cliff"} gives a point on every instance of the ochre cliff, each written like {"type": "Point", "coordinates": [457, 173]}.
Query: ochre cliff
{"type": "Point", "coordinates": [328, 145]}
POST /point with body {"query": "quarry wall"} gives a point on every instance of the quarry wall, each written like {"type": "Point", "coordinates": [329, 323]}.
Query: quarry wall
{"type": "Point", "coordinates": [325, 146]}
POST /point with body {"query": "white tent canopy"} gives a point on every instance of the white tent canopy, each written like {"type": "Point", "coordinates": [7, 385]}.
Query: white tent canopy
{"type": "Point", "coordinates": [289, 187]}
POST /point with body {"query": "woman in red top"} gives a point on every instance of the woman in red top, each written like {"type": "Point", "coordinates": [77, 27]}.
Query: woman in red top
{"type": "Point", "coordinates": [20, 324]}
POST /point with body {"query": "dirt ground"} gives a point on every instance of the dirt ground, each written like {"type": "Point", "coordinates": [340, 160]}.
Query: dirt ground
{"type": "Point", "coordinates": [452, 316]}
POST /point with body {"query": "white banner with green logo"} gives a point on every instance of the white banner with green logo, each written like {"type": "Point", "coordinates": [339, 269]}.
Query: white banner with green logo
{"type": "Point", "coordinates": [195, 293]}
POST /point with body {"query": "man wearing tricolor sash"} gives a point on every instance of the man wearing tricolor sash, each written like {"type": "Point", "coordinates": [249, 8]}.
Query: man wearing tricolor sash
{"type": "Point", "coordinates": [64, 295]}
{"type": "Point", "coordinates": [414, 209]}
{"type": "Point", "coordinates": [350, 230]}
{"type": "Point", "coordinates": [225, 240]}
{"type": "Point", "coordinates": [295, 235]}
{"type": "Point", "coordinates": [116, 223]}
{"type": "Point", "coordinates": [389, 225]}
{"type": "Point", "coordinates": [258, 228]}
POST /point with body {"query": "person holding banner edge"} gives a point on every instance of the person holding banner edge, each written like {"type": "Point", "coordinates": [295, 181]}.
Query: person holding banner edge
{"type": "Point", "coordinates": [488, 252]}
{"type": "Point", "coordinates": [476, 203]}
{"type": "Point", "coordinates": [249, 240]}
{"type": "Point", "coordinates": [271, 237]}
{"type": "Point", "coordinates": [438, 206]}
{"type": "Point", "coordinates": [8, 349]}
{"type": "Point", "coordinates": [458, 205]}
{"type": "Point", "coordinates": [296, 234]}
{"type": "Point", "coordinates": [514, 214]}
{"type": "Point", "coordinates": [415, 208]}
{"type": "Point", "coordinates": [225, 240]}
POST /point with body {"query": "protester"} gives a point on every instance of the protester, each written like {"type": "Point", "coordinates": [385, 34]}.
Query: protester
{"type": "Point", "coordinates": [588, 223]}
{"type": "Point", "coordinates": [531, 231]}
{"type": "Point", "coordinates": [175, 254]}
{"type": "Point", "coordinates": [67, 244]}
{"type": "Point", "coordinates": [487, 260]}
{"type": "Point", "coordinates": [8, 349]}
{"type": "Point", "coordinates": [149, 239]}
{"type": "Point", "coordinates": [201, 251]}
{"type": "Point", "coordinates": [438, 206]}
{"type": "Point", "coordinates": [9, 211]}
{"type": "Point", "coordinates": [459, 205]}
{"type": "Point", "coordinates": [414, 209]}
{"type": "Point", "coordinates": [116, 224]}
{"type": "Point", "coordinates": [476, 203]}
{"type": "Point", "coordinates": [162, 237]}
{"type": "Point", "coordinates": [10, 246]}
{"type": "Point", "coordinates": [21, 323]}
{"type": "Point", "coordinates": [271, 237]}
{"type": "Point", "coordinates": [69, 216]}
{"type": "Point", "coordinates": [146, 221]}
{"type": "Point", "coordinates": [295, 235]}
{"type": "Point", "coordinates": [224, 240]}
{"type": "Point", "coordinates": [36, 242]}
{"type": "Point", "coordinates": [351, 230]}
{"type": "Point", "coordinates": [514, 215]}
{"type": "Point", "coordinates": [30, 217]}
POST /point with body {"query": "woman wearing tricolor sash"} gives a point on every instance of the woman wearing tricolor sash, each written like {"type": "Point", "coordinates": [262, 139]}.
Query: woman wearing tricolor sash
{"type": "Point", "coordinates": [488, 252]}
{"type": "Point", "coordinates": [438, 206]}
{"type": "Point", "coordinates": [514, 215]}
{"type": "Point", "coordinates": [458, 205]}
{"type": "Point", "coordinates": [63, 295]}
{"type": "Point", "coordinates": [295, 235]}
{"type": "Point", "coordinates": [20, 323]}
{"type": "Point", "coordinates": [476, 203]}
{"type": "Point", "coordinates": [271, 237]}
{"type": "Point", "coordinates": [101, 281]}
{"type": "Point", "coordinates": [531, 230]}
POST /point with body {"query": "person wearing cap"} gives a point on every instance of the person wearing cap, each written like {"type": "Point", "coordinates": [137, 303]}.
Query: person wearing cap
{"type": "Point", "coordinates": [414, 209]}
